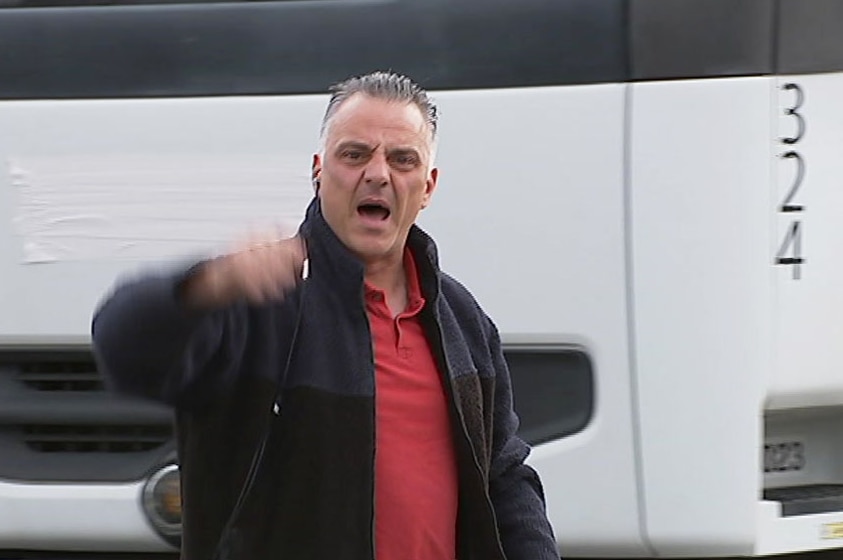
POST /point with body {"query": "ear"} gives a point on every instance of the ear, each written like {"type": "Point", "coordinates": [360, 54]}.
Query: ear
{"type": "Point", "coordinates": [430, 186]}
{"type": "Point", "coordinates": [316, 171]}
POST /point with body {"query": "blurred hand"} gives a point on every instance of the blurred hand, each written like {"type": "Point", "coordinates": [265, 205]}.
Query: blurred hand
{"type": "Point", "coordinates": [257, 271]}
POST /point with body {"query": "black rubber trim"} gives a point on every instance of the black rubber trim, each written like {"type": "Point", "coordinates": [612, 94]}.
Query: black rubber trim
{"type": "Point", "coordinates": [69, 432]}
{"type": "Point", "coordinates": [702, 38]}
{"type": "Point", "coordinates": [303, 46]}
{"type": "Point", "coordinates": [94, 409]}
{"type": "Point", "coordinates": [811, 36]}
{"type": "Point", "coordinates": [87, 555]}
{"type": "Point", "coordinates": [807, 500]}
{"type": "Point", "coordinates": [86, 3]}
{"type": "Point", "coordinates": [553, 391]}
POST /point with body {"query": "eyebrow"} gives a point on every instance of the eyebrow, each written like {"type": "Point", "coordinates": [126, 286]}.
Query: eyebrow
{"type": "Point", "coordinates": [362, 146]}
{"type": "Point", "coordinates": [404, 150]}
{"type": "Point", "coordinates": [354, 144]}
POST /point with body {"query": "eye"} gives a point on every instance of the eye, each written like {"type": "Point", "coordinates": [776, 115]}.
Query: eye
{"type": "Point", "coordinates": [352, 155]}
{"type": "Point", "coordinates": [405, 160]}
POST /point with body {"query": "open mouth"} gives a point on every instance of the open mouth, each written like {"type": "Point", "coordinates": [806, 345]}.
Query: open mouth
{"type": "Point", "coordinates": [373, 211]}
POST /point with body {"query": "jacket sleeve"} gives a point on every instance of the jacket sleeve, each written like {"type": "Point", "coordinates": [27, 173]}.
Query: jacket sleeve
{"type": "Point", "coordinates": [514, 487]}
{"type": "Point", "coordinates": [147, 343]}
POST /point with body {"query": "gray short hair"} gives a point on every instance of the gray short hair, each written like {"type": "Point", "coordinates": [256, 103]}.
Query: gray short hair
{"type": "Point", "coordinates": [382, 85]}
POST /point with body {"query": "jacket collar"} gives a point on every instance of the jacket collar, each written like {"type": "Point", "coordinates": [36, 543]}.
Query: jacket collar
{"type": "Point", "coordinates": [330, 260]}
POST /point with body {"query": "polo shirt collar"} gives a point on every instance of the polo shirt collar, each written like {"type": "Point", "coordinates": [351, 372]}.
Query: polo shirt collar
{"type": "Point", "coordinates": [331, 261]}
{"type": "Point", "coordinates": [415, 299]}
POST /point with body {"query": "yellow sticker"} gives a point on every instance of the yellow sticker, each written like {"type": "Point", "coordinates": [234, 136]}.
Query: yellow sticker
{"type": "Point", "coordinates": [832, 531]}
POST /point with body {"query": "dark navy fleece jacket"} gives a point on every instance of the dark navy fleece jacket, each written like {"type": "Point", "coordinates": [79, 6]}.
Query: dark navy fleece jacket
{"type": "Point", "coordinates": [297, 379]}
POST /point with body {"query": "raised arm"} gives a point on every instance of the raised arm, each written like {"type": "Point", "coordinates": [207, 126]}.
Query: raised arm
{"type": "Point", "coordinates": [173, 337]}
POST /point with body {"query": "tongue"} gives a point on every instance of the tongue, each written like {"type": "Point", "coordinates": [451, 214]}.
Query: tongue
{"type": "Point", "coordinates": [375, 212]}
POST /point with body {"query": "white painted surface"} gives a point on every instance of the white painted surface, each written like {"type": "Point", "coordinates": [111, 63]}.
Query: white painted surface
{"type": "Point", "coordinates": [809, 329]}
{"type": "Point", "coordinates": [56, 299]}
{"type": "Point", "coordinates": [91, 517]}
{"type": "Point", "coordinates": [529, 215]}
{"type": "Point", "coordinates": [779, 535]}
{"type": "Point", "coordinates": [149, 206]}
{"type": "Point", "coordinates": [700, 223]}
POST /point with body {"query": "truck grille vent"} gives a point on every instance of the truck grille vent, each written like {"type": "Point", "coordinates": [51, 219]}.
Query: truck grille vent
{"type": "Point", "coordinates": [60, 376]}
{"type": "Point", "coordinates": [53, 405]}
{"type": "Point", "coordinates": [92, 439]}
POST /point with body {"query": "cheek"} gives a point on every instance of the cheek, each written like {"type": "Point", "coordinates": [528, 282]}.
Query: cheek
{"type": "Point", "coordinates": [336, 191]}
{"type": "Point", "coordinates": [411, 202]}
{"type": "Point", "coordinates": [419, 194]}
{"type": "Point", "coordinates": [412, 190]}
{"type": "Point", "coordinates": [333, 201]}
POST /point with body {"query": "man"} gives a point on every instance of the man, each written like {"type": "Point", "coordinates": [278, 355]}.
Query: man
{"type": "Point", "coordinates": [363, 412]}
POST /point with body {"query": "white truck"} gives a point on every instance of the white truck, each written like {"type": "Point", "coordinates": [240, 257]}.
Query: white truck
{"type": "Point", "coordinates": [645, 195]}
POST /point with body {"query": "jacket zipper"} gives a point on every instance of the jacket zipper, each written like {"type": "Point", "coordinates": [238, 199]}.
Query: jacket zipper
{"type": "Point", "coordinates": [449, 384]}
{"type": "Point", "coordinates": [373, 371]}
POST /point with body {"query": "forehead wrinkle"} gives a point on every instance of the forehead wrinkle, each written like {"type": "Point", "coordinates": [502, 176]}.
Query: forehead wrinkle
{"type": "Point", "coordinates": [357, 114]}
{"type": "Point", "coordinates": [353, 143]}
{"type": "Point", "coordinates": [366, 133]}
{"type": "Point", "coordinates": [417, 147]}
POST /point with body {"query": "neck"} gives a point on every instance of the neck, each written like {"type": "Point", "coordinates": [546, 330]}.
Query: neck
{"type": "Point", "coordinates": [387, 275]}
{"type": "Point", "coordinates": [390, 277]}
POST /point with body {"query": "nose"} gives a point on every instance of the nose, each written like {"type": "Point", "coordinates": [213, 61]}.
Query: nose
{"type": "Point", "coordinates": [376, 172]}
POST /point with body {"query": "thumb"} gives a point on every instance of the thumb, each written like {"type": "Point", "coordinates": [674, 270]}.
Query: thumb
{"type": "Point", "coordinates": [286, 230]}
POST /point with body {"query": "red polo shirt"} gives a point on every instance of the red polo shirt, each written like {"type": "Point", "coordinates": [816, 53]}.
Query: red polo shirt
{"type": "Point", "coordinates": [415, 462]}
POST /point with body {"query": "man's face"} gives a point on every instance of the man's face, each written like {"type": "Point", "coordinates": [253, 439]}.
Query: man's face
{"type": "Point", "coordinates": [375, 175]}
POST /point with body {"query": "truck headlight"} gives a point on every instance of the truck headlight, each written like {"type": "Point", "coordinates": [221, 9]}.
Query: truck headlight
{"type": "Point", "coordinates": [162, 503]}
